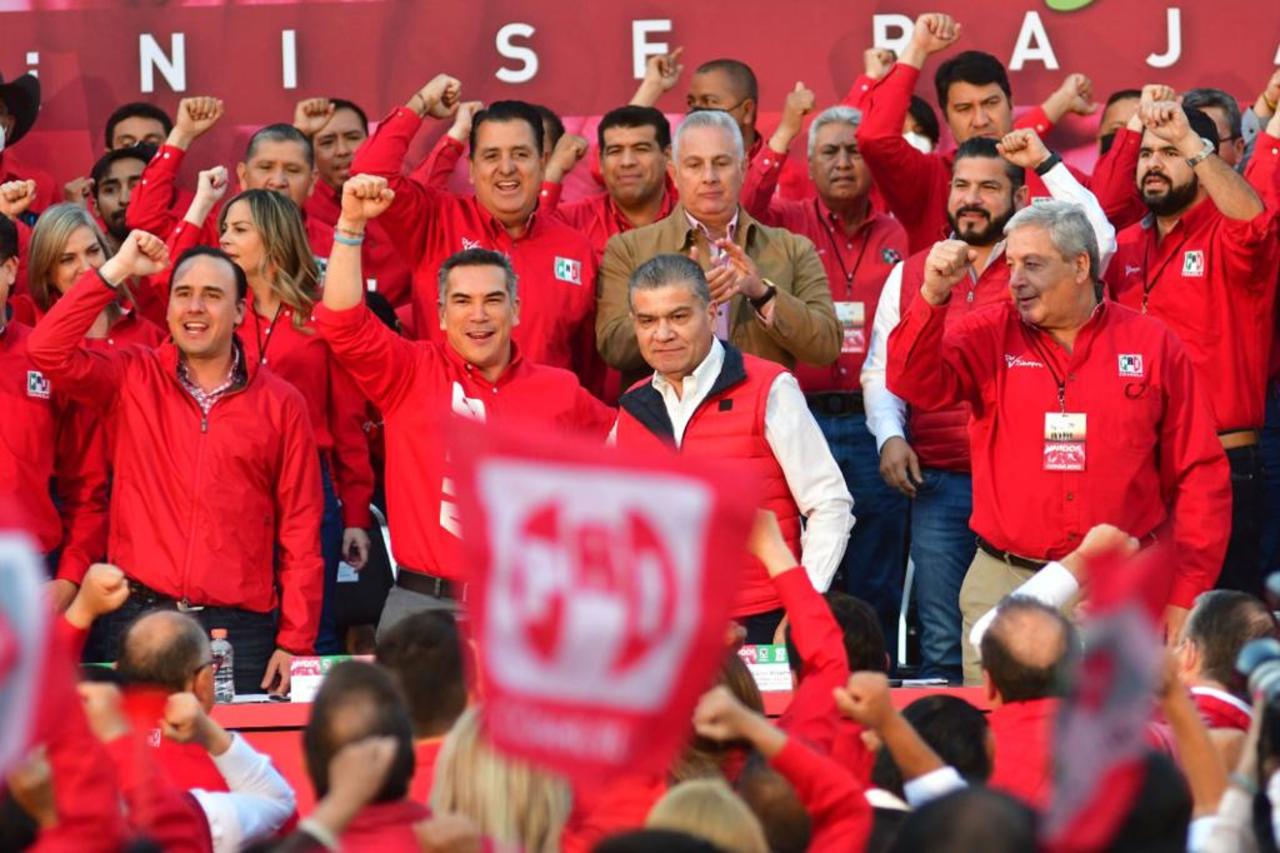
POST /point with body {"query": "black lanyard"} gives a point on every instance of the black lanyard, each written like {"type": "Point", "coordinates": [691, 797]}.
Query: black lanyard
{"type": "Point", "coordinates": [1149, 283]}
{"type": "Point", "coordinates": [835, 247]}
{"type": "Point", "coordinates": [1058, 379]}
{"type": "Point", "coordinates": [257, 328]}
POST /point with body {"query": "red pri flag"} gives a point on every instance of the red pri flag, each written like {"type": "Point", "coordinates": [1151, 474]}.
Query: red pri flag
{"type": "Point", "coordinates": [600, 592]}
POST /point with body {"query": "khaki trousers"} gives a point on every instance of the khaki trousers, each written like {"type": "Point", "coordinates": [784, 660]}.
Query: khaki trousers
{"type": "Point", "coordinates": [987, 581]}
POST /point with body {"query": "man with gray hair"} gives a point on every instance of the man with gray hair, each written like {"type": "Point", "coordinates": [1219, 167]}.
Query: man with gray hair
{"type": "Point", "coordinates": [1084, 412]}
{"type": "Point", "coordinates": [709, 398]}
{"type": "Point", "coordinates": [767, 285]}
{"type": "Point", "coordinates": [859, 248]}
{"type": "Point", "coordinates": [475, 372]}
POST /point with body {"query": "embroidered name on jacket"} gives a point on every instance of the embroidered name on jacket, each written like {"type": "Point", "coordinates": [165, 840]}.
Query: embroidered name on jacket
{"type": "Point", "coordinates": [569, 270]}
{"type": "Point", "coordinates": [1019, 361]}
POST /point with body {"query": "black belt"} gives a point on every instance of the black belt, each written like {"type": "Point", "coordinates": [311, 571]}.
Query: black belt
{"type": "Point", "coordinates": [425, 584]}
{"type": "Point", "coordinates": [142, 594]}
{"type": "Point", "coordinates": [1009, 557]}
{"type": "Point", "coordinates": [836, 403]}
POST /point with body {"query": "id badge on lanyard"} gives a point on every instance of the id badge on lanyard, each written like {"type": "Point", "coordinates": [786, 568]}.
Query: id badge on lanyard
{"type": "Point", "coordinates": [1064, 441]}
{"type": "Point", "coordinates": [853, 322]}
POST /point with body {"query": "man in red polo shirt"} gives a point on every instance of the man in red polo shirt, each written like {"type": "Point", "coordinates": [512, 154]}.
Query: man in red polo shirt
{"type": "Point", "coordinates": [1204, 262]}
{"type": "Point", "coordinates": [478, 372]}
{"type": "Point", "coordinates": [974, 94]}
{"type": "Point", "coordinates": [556, 264]}
{"type": "Point", "coordinates": [858, 248]}
{"type": "Point", "coordinates": [1084, 412]}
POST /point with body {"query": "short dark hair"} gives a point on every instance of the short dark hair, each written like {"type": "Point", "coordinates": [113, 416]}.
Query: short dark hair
{"type": "Point", "coordinates": [973, 67]}
{"type": "Point", "coordinates": [924, 115]}
{"type": "Point", "coordinates": [1203, 126]}
{"type": "Point", "coordinates": [168, 664]}
{"type": "Point", "coordinates": [1160, 814]}
{"type": "Point", "coordinates": [952, 728]}
{"type": "Point", "coordinates": [864, 643]}
{"type": "Point", "coordinates": [981, 146]}
{"type": "Point", "coordinates": [744, 79]}
{"type": "Point", "coordinates": [280, 132]}
{"type": "Point", "coordinates": [504, 111]}
{"type": "Point", "coordinates": [552, 125]}
{"type": "Point", "coordinates": [8, 239]}
{"type": "Point", "coordinates": [970, 819]}
{"type": "Point", "coordinates": [1220, 624]}
{"type": "Point", "coordinates": [242, 282]}
{"type": "Point", "coordinates": [356, 683]}
{"type": "Point", "coordinates": [1123, 95]}
{"type": "Point", "coordinates": [424, 652]}
{"type": "Point", "coordinates": [1206, 96]}
{"type": "Point", "coordinates": [653, 841]}
{"type": "Point", "coordinates": [477, 258]}
{"type": "Point", "coordinates": [1016, 680]}
{"type": "Point", "coordinates": [141, 151]}
{"type": "Point", "coordinates": [633, 116]}
{"type": "Point", "coordinates": [136, 109]}
{"type": "Point", "coordinates": [344, 104]}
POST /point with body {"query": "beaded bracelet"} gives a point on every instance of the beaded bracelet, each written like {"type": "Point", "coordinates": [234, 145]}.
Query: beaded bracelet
{"type": "Point", "coordinates": [347, 241]}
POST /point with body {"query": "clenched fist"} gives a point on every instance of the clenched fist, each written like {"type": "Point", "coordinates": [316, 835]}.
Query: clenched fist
{"type": "Point", "coordinates": [16, 197]}
{"type": "Point", "coordinates": [311, 115]}
{"type": "Point", "coordinates": [944, 268]}
{"type": "Point", "coordinates": [1023, 148]}
{"type": "Point", "coordinates": [140, 254]}
{"type": "Point", "coordinates": [364, 197]}
{"type": "Point", "coordinates": [439, 98]}
{"type": "Point", "coordinates": [194, 118]}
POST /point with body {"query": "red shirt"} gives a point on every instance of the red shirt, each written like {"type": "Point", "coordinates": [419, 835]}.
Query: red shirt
{"type": "Point", "coordinates": [183, 765]}
{"type": "Point", "coordinates": [597, 216]}
{"type": "Point", "coordinates": [1220, 710]}
{"type": "Point", "coordinates": [1213, 280]}
{"type": "Point", "coordinates": [385, 827]}
{"type": "Point", "coordinates": [416, 385]}
{"type": "Point", "coordinates": [384, 270]}
{"type": "Point", "coordinates": [856, 266]}
{"type": "Point", "coordinates": [917, 185]}
{"type": "Point", "coordinates": [425, 753]}
{"type": "Point", "coordinates": [555, 264]}
{"type": "Point", "coordinates": [1023, 735]}
{"type": "Point", "coordinates": [1151, 457]}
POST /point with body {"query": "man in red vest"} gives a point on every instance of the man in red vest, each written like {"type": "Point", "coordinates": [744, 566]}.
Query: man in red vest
{"type": "Point", "coordinates": [709, 398]}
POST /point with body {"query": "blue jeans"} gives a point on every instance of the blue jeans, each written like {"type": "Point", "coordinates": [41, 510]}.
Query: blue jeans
{"type": "Point", "coordinates": [942, 547]}
{"type": "Point", "coordinates": [1270, 544]}
{"type": "Point", "coordinates": [876, 557]}
{"type": "Point", "coordinates": [327, 640]}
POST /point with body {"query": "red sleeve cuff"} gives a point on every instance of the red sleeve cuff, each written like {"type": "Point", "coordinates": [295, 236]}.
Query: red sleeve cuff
{"type": "Point", "coordinates": [357, 515]}
{"type": "Point", "coordinates": [1035, 119]}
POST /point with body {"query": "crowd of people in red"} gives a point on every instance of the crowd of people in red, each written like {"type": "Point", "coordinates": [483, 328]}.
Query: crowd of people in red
{"type": "Point", "coordinates": [229, 411]}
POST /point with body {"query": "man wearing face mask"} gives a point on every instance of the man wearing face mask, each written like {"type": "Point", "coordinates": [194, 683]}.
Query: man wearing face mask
{"type": "Point", "coordinates": [19, 104]}
{"type": "Point", "coordinates": [1084, 412]}
{"type": "Point", "coordinates": [556, 264]}
{"type": "Point", "coordinates": [924, 453]}
{"type": "Point", "coordinates": [1204, 262]}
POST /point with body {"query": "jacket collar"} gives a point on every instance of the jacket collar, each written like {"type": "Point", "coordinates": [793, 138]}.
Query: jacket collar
{"type": "Point", "coordinates": [645, 404]}
{"type": "Point", "coordinates": [676, 228]}
{"type": "Point", "coordinates": [513, 369]}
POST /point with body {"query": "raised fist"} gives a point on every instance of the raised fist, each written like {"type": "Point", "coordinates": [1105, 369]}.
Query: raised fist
{"type": "Point", "coordinates": [439, 98]}
{"type": "Point", "coordinates": [1153, 92]}
{"type": "Point", "coordinates": [211, 185]}
{"type": "Point", "coordinates": [568, 151]}
{"type": "Point", "coordinates": [1167, 121]}
{"type": "Point", "coordinates": [16, 197]}
{"type": "Point", "coordinates": [1267, 102]}
{"type": "Point", "coordinates": [461, 129]}
{"type": "Point", "coordinates": [195, 117]}
{"type": "Point", "coordinates": [663, 71]}
{"type": "Point", "coordinates": [103, 590]}
{"type": "Point", "coordinates": [77, 191]}
{"type": "Point", "coordinates": [1076, 94]}
{"type": "Point", "coordinates": [865, 699]}
{"type": "Point", "coordinates": [934, 32]}
{"type": "Point", "coordinates": [719, 714]}
{"type": "Point", "coordinates": [365, 197]}
{"type": "Point", "coordinates": [311, 115]}
{"type": "Point", "coordinates": [876, 61]}
{"type": "Point", "coordinates": [1103, 539]}
{"type": "Point", "coordinates": [944, 268]}
{"type": "Point", "coordinates": [140, 254]}
{"type": "Point", "coordinates": [182, 718]}
{"type": "Point", "coordinates": [1023, 148]}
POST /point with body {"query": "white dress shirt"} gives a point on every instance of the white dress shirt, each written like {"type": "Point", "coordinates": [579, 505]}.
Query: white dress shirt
{"type": "Point", "coordinates": [258, 804]}
{"type": "Point", "coordinates": [798, 444]}
{"type": "Point", "coordinates": [886, 412]}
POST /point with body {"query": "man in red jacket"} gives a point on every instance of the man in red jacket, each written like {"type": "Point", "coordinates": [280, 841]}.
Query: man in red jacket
{"type": "Point", "coordinates": [478, 372]}
{"type": "Point", "coordinates": [1084, 412]}
{"type": "Point", "coordinates": [216, 502]}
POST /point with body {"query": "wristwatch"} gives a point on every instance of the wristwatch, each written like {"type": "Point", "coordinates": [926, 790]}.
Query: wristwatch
{"type": "Point", "coordinates": [770, 291]}
{"type": "Point", "coordinates": [1203, 154]}
{"type": "Point", "coordinates": [1049, 162]}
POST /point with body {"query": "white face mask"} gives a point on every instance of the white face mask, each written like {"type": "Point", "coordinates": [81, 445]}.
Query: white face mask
{"type": "Point", "coordinates": [918, 142]}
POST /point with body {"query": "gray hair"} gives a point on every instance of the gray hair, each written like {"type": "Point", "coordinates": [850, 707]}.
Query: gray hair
{"type": "Point", "coordinates": [475, 258]}
{"type": "Point", "coordinates": [1068, 227]}
{"type": "Point", "coordinates": [833, 115]}
{"type": "Point", "coordinates": [709, 118]}
{"type": "Point", "coordinates": [666, 270]}
{"type": "Point", "coordinates": [1208, 97]}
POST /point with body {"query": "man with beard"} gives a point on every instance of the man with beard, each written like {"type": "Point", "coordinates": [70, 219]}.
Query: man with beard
{"type": "Point", "coordinates": [1204, 261]}
{"type": "Point", "coordinates": [933, 470]}
{"type": "Point", "coordinates": [113, 179]}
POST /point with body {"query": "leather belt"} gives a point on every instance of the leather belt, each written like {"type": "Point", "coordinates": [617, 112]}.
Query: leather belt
{"type": "Point", "coordinates": [145, 595]}
{"type": "Point", "coordinates": [1238, 438]}
{"type": "Point", "coordinates": [1010, 558]}
{"type": "Point", "coordinates": [835, 403]}
{"type": "Point", "coordinates": [425, 584]}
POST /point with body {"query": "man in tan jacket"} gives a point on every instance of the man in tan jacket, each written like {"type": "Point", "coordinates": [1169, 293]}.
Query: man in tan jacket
{"type": "Point", "coordinates": [768, 284]}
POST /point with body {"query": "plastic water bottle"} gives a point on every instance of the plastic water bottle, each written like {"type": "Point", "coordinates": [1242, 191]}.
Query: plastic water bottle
{"type": "Point", "coordinates": [224, 679]}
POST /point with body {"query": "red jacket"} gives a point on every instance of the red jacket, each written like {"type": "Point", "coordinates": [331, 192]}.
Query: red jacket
{"type": "Point", "coordinates": [1151, 462]}
{"type": "Point", "coordinates": [217, 510]}
{"type": "Point", "coordinates": [181, 765]}
{"type": "Point", "coordinates": [916, 185]}
{"type": "Point", "coordinates": [1023, 735]}
{"type": "Point", "coordinates": [416, 386]}
{"type": "Point", "coordinates": [839, 815]}
{"type": "Point", "coordinates": [384, 270]}
{"type": "Point", "coordinates": [555, 264]}
{"type": "Point", "coordinates": [618, 805]}
{"type": "Point", "coordinates": [425, 753]}
{"type": "Point", "coordinates": [46, 437]}
{"type": "Point", "coordinates": [729, 424]}
{"type": "Point", "coordinates": [385, 828]}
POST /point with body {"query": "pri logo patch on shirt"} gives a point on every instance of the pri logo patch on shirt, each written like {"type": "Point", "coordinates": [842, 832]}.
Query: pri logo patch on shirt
{"type": "Point", "coordinates": [569, 270]}
{"type": "Point", "coordinates": [37, 385]}
{"type": "Point", "coordinates": [1193, 263]}
{"type": "Point", "coordinates": [1131, 364]}
{"type": "Point", "coordinates": [890, 256]}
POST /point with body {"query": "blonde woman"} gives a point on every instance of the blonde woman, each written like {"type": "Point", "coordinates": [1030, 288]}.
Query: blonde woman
{"type": "Point", "coordinates": [509, 801]}
{"type": "Point", "coordinates": [708, 809]}
{"type": "Point", "coordinates": [263, 232]}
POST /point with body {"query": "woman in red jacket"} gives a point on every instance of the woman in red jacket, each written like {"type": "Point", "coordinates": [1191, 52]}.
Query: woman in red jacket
{"type": "Point", "coordinates": [264, 233]}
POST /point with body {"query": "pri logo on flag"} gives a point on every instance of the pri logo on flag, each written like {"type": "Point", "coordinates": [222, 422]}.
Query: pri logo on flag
{"type": "Point", "coordinates": [37, 385]}
{"type": "Point", "coordinates": [1193, 263]}
{"type": "Point", "coordinates": [1131, 364]}
{"type": "Point", "coordinates": [569, 270]}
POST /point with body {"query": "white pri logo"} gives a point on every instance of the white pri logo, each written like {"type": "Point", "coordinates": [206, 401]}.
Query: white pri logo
{"type": "Point", "coordinates": [596, 581]}
{"type": "Point", "coordinates": [1131, 364]}
{"type": "Point", "coordinates": [1193, 263]}
{"type": "Point", "coordinates": [37, 385]}
{"type": "Point", "coordinates": [569, 270]}
{"type": "Point", "coordinates": [468, 243]}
